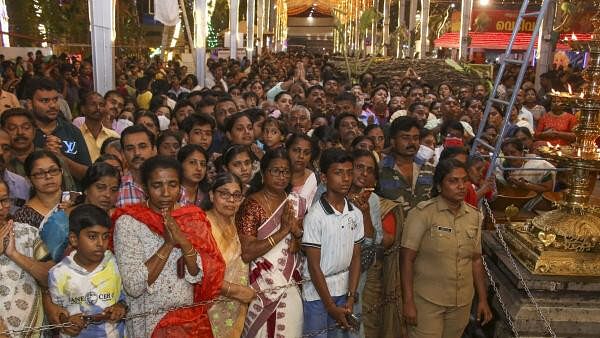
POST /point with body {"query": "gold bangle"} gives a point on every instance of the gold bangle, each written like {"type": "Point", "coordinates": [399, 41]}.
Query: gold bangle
{"type": "Point", "coordinates": [271, 241]}
{"type": "Point", "coordinates": [161, 257]}
{"type": "Point", "coordinates": [191, 252]}
{"type": "Point", "coordinates": [228, 289]}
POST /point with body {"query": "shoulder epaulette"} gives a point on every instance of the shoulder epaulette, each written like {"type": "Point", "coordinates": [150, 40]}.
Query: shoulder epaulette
{"type": "Point", "coordinates": [425, 204]}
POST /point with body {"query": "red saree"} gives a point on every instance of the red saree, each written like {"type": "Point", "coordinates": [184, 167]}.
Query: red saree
{"type": "Point", "coordinates": [192, 322]}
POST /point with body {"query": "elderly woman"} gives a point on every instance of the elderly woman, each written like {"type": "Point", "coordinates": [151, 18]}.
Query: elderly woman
{"type": "Point", "coordinates": [227, 317]}
{"type": "Point", "coordinates": [169, 256]}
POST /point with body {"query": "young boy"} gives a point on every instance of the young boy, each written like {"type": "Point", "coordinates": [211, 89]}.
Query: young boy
{"type": "Point", "coordinates": [87, 282]}
{"type": "Point", "coordinates": [333, 231]}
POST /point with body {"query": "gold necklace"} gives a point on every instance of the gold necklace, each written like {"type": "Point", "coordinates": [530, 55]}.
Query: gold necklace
{"type": "Point", "coordinates": [268, 206]}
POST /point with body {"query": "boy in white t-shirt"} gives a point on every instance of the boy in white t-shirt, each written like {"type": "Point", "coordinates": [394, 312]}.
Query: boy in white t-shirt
{"type": "Point", "coordinates": [87, 282]}
{"type": "Point", "coordinates": [333, 231]}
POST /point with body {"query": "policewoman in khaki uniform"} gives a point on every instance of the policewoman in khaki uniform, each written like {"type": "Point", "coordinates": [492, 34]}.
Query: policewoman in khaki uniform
{"type": "Point", "coordinates": [441, 264]}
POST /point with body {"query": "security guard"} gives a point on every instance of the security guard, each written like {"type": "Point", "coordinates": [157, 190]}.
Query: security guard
{"type": "Point", "coordinates": [441, 259]}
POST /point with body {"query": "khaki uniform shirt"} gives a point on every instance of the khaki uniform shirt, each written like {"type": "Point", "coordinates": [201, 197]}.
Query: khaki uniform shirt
{"type": "Point", "coordinates": [445, 243]}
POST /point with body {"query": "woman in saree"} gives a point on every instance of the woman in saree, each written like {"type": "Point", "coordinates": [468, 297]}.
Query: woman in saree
{"type": "Point", "coordinates": [304, 181]}
{"type": "Point", "coordinates": [269, 232]}
{"type": "Point", "coordinates": [24, 265]}
{"type": "Point", "coordinates": [169, 256]}
{"type": "Point", "coordinates": [227, 317]}
{"type": "Point", "coordinates": [393, 325]}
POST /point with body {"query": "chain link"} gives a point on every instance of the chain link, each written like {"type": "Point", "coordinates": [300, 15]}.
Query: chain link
{"type": "Point", "coordinates": [32, 329]}
{"type": "Point", "coordinates": [518, 272]}
{"type": "Point", "coordinates": [504, 308]}
{"type": "Point", "coordinates": [158, 311]}
{"type": "Point", "coordinates": [370, 309]}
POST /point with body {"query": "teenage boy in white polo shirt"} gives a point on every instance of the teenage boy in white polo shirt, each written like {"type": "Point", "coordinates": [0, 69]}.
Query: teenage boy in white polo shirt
{"type": "Point", "coordinates": [333, 231]}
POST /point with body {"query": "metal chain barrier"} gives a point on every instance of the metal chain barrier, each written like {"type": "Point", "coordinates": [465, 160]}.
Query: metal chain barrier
{"type": "Point", "coordinates": [29, 330]}
{"type": "Point", "coordinates": [372, 308]}
{"type": "Point", "coordinates": [504, 308]}
{"type": "Point", "coordinates": [519, 275]}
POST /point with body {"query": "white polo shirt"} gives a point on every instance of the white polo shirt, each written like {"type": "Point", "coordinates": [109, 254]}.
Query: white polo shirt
{"type": "Point", "coordinates": [335, 234]}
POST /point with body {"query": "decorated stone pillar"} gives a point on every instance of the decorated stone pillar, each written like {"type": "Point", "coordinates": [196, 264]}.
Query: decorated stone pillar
{"type": "Point", "coordinates": [102, 21]}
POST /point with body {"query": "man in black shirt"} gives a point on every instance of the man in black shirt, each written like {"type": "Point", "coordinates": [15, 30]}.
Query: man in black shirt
{"type": "Point", "coordinates": [54, 132]}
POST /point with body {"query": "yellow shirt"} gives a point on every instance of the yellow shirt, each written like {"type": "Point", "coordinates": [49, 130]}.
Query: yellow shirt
{"type": "Point", "coordinates": [94, 144]}
{"type": "Point", "coordinates": [445, 243]}
{"type": "Point", "coordinates": [143, 100]}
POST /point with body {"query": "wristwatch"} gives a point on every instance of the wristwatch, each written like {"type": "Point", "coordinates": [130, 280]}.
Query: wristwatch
{"type": "Point", "coordinates": [352, 294]}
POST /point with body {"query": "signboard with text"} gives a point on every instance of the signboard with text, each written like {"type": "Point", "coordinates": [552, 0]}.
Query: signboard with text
{"type": "Point", "coordinates": [503, 21]}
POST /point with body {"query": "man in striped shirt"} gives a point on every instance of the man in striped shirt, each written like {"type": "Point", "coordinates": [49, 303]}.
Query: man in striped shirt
{"type": "Point", "coordinates": [138, 145]}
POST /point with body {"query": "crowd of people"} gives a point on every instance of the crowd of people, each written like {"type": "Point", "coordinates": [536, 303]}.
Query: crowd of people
{"type": "Point", "coordinates": [279, 200]}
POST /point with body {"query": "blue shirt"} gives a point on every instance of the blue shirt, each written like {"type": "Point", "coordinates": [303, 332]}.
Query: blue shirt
{"type": "Point", "coordinates": [18, 188]}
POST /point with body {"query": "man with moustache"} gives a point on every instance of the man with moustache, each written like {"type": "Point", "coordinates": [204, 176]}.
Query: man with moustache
{"type": "Point", "coordinates": [20, 127]}
{"type": "Point", "coordinates": [93, 131]}
{"type": "Point", "coordinates": [138, 145]}
{"type": "Point", "coordinates": [400, 178]}
{"type": "Point", "coordinates": [18, 186]}
{"type": "Point", "coordinates": [54, 133]}
{"type": "Point", "coordinates": [331, 87]}
{"type": "Point", "coordinates": [298, 120]}
{"type": "Point", "coordinates": [315, 99]}
{"type": "Point", "coordinates": [114, 103]}
{"type": "Point", "coordinates": [223, 108]}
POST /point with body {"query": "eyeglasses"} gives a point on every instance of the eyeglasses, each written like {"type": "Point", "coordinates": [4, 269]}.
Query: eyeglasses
{"type": "Point", "coordinates": [279, 172]}
{"type": "Point", "coordinates": [52, 172]}
{"type": "Point", "coordinates": [6, 202]}
{"type": "Point", "coordinates": [226, 195]}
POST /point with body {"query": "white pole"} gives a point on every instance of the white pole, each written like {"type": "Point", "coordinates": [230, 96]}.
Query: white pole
{"type": "Point", "coordinates": [260, 22]}
{"type": "Point", "coordinates": [250, 30]}
{"type": "Point", "coordinates": [386, 27]}
{"type": "Point", "coordinates": [465, 24]}
{"type": "Point", "coordinates": [401, 23]}
{"type": "Point", "coordinates": [233, 27]}
{"type": "Point", "coordinates": [102, 21]}
{"type": "Point", "coordinates": [412, 18]}
{"type": "Point", "coordinates": [424, 28]}
{"type": "Point", "coordinates": [200, 34]}
{"type": "Point", "coordinates": [546, 55]}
